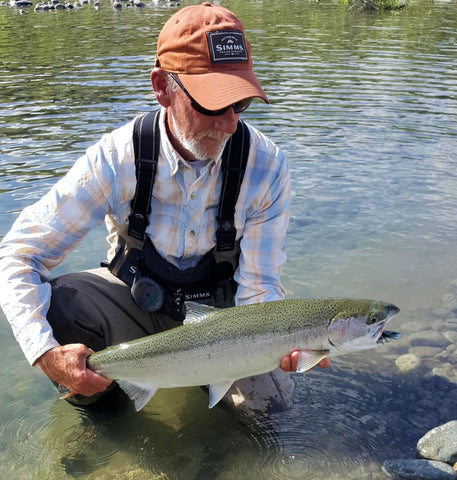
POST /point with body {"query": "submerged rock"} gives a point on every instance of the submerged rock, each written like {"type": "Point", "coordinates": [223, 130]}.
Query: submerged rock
{"type": "Point", "coordinates": [425, 352]}
{"type": "Point", "coordinates": [447, 371]}
{"type": "Point", "coordinates": [437, 457]}
{"type": "Point", "coordinates": [406, 363]}
{"type": "Point", "coordinates": [429, 338]}
{"type": "Point", "coordinates": [418, 470]}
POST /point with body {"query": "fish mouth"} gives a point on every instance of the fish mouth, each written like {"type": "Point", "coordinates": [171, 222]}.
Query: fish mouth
{"type": "Point", "coordinates": [392, 310]}
{"type": "Point", "coordinates": [387, 336]}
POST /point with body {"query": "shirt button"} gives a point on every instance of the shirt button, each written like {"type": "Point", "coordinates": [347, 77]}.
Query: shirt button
{"type": "Point", "coordinates": [193, 195]}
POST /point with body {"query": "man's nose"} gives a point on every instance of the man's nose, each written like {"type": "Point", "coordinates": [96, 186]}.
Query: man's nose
{"type": "Point", "coordinates": [227, 122]}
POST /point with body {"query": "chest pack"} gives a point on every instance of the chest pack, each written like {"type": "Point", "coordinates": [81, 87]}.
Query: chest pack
{"type": "Point", "coordinates": [157, 285]}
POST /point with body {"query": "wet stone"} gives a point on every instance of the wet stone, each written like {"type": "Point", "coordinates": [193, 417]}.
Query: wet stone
{"type": "Point", "coordinates": [429, 338]}
{"type": "Point", "coordinates": [406, 363]}
{"type": "Point", "coordinates": [450, 301]}
{"type": "Point", "coordinates": [451, 335]}
{"type": "Point", "coordinates": [440, 444]}
{"type": "Point", "coordinates": [451, 349]}
{"type": "Point", "coordinates": [425, 352]}
{"type": "Point", "coordinates": [418, 470]}
{"type": "Point", "coordinates": [446, 371]}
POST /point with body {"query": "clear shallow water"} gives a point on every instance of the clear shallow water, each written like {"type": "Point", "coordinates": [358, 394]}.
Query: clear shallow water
{"type": "Point", "coordinates": [365, 107]}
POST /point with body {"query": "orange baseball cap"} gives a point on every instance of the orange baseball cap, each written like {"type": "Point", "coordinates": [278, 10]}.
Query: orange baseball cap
{"type": "Point", "coordinates": [206, 46]}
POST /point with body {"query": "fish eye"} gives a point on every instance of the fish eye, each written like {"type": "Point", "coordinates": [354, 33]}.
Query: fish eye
{"type": "Point", "coordinates": [372, 319]}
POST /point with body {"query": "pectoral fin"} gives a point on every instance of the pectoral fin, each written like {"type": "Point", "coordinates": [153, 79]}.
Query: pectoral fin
{"type": "Point", "coordinates": [308, 359]}
{"type": "Point", "coordinates": [217, 391]}
{"type": "Point", "coordinates": [140, 393]}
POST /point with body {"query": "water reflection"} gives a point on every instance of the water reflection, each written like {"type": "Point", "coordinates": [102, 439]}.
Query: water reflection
{"type": "Point", "coordinates": [364, 106]}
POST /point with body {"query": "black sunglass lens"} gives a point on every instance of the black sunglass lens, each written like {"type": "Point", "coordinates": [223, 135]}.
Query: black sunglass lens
{"type": "Point", "coordinates": [242, 105]}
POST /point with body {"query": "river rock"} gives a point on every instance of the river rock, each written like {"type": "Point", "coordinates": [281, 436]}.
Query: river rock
{"type": "Point", "coordinates": [425, 352]}
{"type": "Point", "coordinates": [440, 444]}
{"type": "Point", "coordinates": [451, 335]}
{"type": "Point", "coordinates": [406, 363]}
{"type": "Point", "coordinates": [418, 470]}
{"type": "Point", "coordinates": [450, 300]}
{"type": "Point", "coordinates": [429, 338]}
{"type": "Point", "coordinates": [446, 371]}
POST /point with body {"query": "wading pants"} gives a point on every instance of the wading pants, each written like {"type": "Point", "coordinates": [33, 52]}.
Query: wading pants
{"type": "Point", "coordinates": [95, 308]}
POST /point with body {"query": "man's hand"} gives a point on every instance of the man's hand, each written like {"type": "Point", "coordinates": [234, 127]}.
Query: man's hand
{"type": "Point", "coordinates": [67, 365]}
{"type": "Point", "coordinates": [289, 362]}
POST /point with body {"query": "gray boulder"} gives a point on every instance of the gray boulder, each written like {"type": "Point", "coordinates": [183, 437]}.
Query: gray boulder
{"type": "Point", "coordinates": [440, 444]}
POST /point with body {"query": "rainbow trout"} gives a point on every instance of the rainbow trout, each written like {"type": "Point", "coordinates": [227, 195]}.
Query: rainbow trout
{"type": "Point", "coordinates": [215, 347]}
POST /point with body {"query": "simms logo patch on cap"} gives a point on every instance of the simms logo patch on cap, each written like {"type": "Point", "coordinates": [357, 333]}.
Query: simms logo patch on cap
{"type": "Point", "coordinates": [226, 46]}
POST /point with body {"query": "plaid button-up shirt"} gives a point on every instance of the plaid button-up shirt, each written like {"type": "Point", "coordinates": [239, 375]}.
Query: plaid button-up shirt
{"type": "Point", "coordinates": [99, 188]}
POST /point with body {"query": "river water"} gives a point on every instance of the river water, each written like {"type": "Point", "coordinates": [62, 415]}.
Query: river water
{"type": "Point", "coordinates": [365, 107]}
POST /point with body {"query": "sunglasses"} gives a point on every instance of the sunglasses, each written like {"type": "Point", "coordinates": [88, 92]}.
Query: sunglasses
{"type": "Point", "coordinates": [238, 107]}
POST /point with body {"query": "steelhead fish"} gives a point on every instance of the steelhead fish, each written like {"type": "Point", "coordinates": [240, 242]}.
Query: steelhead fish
{"type": "Point", "coordinates": [215, 347]}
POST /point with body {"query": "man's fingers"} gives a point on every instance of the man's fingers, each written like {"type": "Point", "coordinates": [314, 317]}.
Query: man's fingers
{"type": "Point", "coordinates": [294, 357]}
{"type": "Point", "coordinates": [324, 363]}
{"type": "Point", "coordinates": [286, 364]}
{"type": "Point", "coordinates": [97, 379]}
{"type": "Point", "coordinates": [289, 362]}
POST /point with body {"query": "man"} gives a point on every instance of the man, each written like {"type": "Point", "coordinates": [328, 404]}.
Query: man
{"type": "Point", "coordinates": [203, 80]}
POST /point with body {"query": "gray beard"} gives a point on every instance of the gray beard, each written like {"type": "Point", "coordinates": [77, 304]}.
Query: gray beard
{"type": "Point", "coordinates": [194, 147]}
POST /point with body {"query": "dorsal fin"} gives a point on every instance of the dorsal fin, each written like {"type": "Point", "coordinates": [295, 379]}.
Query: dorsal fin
{"type": "Point", "coordinates": [196, 312]}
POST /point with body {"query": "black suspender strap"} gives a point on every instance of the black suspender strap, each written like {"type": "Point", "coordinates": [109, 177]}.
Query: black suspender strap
{"type": "Point", "coordinates": [234, 160]}
{"type": "Point", "coordinates": [146, 141]}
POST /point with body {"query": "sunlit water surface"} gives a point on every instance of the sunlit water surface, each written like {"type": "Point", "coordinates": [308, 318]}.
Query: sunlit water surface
{"type": "Point", "coordinates": [365, 107]}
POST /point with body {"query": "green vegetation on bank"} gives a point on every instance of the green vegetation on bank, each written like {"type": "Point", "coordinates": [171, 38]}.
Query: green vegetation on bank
{"type": "Point", "coordinates": [382, 4]}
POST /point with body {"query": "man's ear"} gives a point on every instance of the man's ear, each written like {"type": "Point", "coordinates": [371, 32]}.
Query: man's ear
{"type": "Point", "coordinates": [159, 83]}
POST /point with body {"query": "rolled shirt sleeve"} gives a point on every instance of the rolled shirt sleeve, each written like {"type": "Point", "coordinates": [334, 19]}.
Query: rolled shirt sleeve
{"type": "Point", "coordinates": [42, 236]}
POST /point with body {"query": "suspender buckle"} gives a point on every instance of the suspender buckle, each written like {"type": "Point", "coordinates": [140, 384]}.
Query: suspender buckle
{"type": "Point", "coordinates": [137, 226]}
{"type": "Point", "coordinates": [225, 236]}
